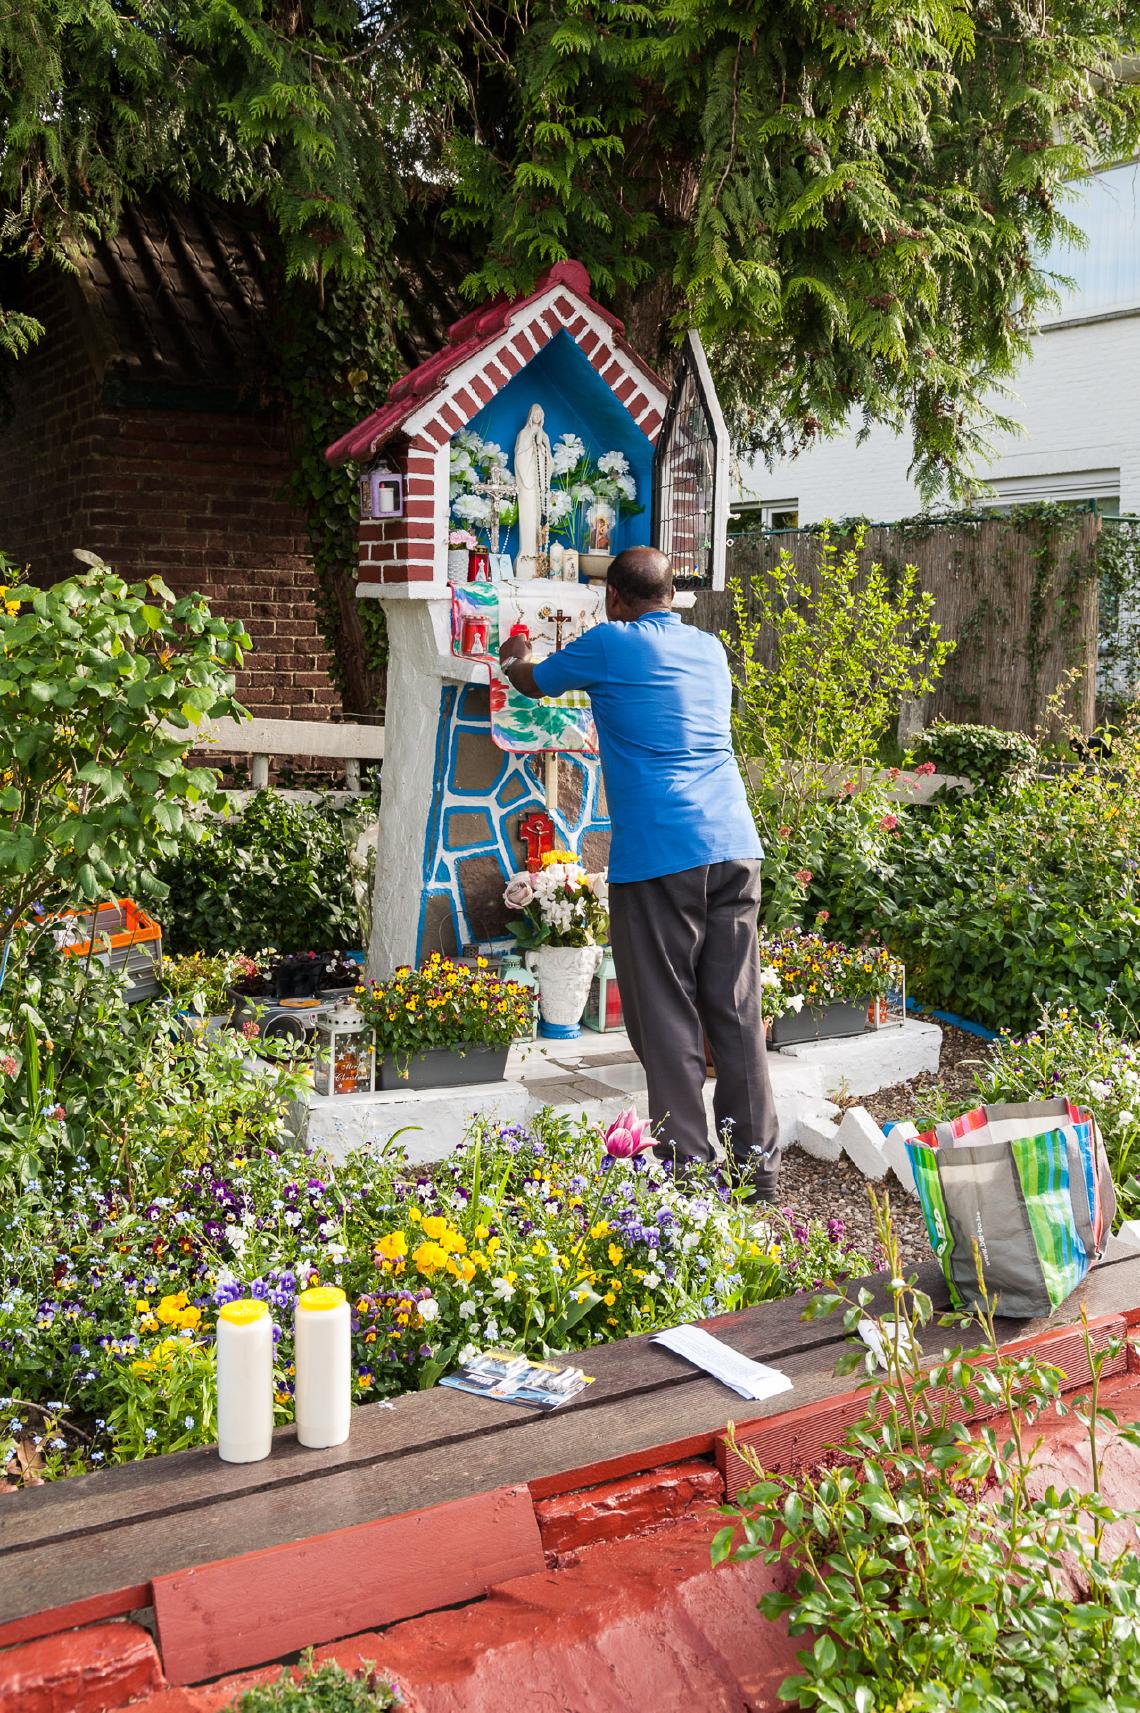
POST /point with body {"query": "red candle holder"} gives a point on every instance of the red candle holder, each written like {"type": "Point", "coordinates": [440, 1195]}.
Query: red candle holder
{"type": "Point", "coordinates": [478, 565]}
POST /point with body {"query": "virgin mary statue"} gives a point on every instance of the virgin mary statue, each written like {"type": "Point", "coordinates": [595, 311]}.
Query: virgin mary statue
{"type": "Point", "coordinates": [532, 476]}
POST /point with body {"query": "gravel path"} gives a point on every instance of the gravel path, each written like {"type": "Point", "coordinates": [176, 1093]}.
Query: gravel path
{"type": "Point", "coordinates": [820, 1189]}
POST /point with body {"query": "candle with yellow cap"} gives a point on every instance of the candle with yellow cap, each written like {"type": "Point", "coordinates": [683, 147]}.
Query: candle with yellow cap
{"type": "Point", "coordinates": [245, 1381]}
{"type": "Point", "coordinates": [323, 1355]}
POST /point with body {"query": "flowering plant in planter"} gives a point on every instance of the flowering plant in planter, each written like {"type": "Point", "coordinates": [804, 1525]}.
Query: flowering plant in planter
{"type": "Point", "coordinates": [824, 972]}
{"type": "Point", "coordinates": [444, 1005]}
{"type": "Point", "coordinates": [202, 984]}
{"type": "Point", "coordinates": [561, 905]}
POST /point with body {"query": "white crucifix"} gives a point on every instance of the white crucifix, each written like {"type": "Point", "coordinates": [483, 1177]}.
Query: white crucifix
{"type": "Point", "coordinates": [500, 485]}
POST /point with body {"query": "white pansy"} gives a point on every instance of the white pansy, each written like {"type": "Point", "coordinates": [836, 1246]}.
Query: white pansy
{"type": "Point", "coordinates": [467, 1309]}
{"type": "Point", "coordinates": [468, 1353]}
{"type": "Point", "coordinates": [796, 1002]}
{"type": "Point", "coordinates": [1125, 1117]}
{"type": "Point", "coordinates": [503, 1289]}
{"type": "Point", "coordinates": [769, 977]}
{"type": "Point", "coordinates": [429, 1309]}
{"type": "Point", "coordinates": [1098, 1090]}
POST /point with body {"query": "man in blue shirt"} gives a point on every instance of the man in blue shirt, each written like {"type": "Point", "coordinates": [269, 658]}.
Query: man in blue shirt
{"type": "Point", "coordinates": [684, 866]}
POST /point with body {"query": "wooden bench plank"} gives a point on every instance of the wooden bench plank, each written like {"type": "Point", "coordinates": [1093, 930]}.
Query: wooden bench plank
{"type": "Point", "coordinates": [422, 1421]}
{"type": "Point", "coordinates": [261, 1606]}
{"type": "Point", "coordinates": [336, 739]}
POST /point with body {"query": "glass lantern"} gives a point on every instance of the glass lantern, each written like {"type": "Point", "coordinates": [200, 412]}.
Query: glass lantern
{"type": "Point", "coordinates": [344, 1062]}
{"type": "Point", "coordinates": [513, 969]}
{"type": "Point", "coordinates": [603, 1008]}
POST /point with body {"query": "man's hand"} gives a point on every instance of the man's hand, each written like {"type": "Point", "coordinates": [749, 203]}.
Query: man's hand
{"type": "Point", "coordinates": [517, 662]}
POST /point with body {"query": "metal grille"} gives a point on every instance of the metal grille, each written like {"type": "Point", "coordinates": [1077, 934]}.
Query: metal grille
{"type": "Point", "coordinates": [689, 471]}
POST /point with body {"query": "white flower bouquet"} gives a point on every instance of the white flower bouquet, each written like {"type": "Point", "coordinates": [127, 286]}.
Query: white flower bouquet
{"type": "Point", "coordinates": [584, 490]}
{"type": "Point", "coordinates": [561, 905]}
{"type": "Point", "coordinates": [472, 460]}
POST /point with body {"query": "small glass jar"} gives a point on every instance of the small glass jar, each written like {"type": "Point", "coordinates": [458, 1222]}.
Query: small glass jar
{"type": "Point", "coordinates": [603, 1011]}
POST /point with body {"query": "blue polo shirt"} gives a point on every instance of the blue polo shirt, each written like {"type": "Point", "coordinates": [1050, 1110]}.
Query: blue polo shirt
{"type": "Point", "coordinates": [662, 698]}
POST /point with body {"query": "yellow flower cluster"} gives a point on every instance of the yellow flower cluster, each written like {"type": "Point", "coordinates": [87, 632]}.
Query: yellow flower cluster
{"type": "Point", "coordinates": [549, 858]}
{"type": "Point", "coordinates": [176, 1311]}
{"type": "Point", "coordinates": [163, 1356]}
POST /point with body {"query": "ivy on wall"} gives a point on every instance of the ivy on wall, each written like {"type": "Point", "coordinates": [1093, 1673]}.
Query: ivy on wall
{"type": "Point", "coordinates": [1118, 663]}
{"type": "Point", "coordinates": [339, 355]}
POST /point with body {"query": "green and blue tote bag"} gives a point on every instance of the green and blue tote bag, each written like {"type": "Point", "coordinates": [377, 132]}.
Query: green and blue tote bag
{"type": "Point", "coordinates": [1029, 1183]}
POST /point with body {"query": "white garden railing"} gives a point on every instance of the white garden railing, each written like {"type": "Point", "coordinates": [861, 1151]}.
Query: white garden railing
{"type": "Point", "coordinates": [258, 738]}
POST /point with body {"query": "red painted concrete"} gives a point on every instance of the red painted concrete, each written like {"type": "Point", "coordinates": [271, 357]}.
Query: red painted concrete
{"type": "Point", "coordinates": [55, 1618]}
{"type": "Point", "coordinates": [634, 1623]}
{"type": "Point", "coordinates": [213, 1618]}
{"type": "Point", "coordinates": [622, 1509]}
{"type": "Point", "coordinates": [79, 1671]}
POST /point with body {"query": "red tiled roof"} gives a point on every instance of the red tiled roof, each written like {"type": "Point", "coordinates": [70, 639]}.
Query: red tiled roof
{"type": "Point", "coordinates": [465, 337]}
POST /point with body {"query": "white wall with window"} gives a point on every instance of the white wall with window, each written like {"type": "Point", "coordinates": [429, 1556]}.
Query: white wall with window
{"type": "Point", "coordinates": [1077, 397]}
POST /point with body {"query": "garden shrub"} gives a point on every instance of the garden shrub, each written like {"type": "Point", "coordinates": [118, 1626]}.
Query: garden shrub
{"type": "Point", "coordinates": [993, 759]}
{"type": "Point", "coordinates": [998, 905]}
{"type": "Point", "coordinates": [822, 664]}
{"type": "Point", "coordinates": [1088, 1062]}
{"type": "Point", "coordinates": [934, 1571]}
{"type": "Point", "coordinates": [274, 873]}
{"type": "Point", "coordinates": [103, 685]}
{"type": "Point", "coordinates": [324, 1688]}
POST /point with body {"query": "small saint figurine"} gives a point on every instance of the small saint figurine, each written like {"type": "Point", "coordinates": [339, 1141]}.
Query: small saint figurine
{"type": "Point", "coordinates": [532, 481]}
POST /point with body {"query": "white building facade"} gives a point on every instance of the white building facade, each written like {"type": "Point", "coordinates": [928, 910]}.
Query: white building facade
{"type": "Point", "coordinates": [1077, 399]}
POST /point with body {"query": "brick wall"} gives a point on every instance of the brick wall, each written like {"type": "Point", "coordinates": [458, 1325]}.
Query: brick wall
{"type": "Point", "coordinates": [195, 496]}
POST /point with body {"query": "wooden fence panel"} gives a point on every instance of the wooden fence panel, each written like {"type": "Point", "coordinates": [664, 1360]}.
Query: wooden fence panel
{"type": "Point", "coordinates": [1019, 598]}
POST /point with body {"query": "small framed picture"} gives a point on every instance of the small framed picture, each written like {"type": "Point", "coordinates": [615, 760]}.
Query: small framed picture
{"type": "Point", "coordinates": [502, 567]}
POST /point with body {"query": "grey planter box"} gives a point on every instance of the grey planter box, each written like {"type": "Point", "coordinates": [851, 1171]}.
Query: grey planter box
{"type": "Point", "coordinates": [443, 1067]}
{"type": "Point", "coordinates": [819, 1023]}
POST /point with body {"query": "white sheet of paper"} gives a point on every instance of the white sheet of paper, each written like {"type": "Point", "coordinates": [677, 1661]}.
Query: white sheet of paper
{"type": "Point", "coordinates": [750, 1379]}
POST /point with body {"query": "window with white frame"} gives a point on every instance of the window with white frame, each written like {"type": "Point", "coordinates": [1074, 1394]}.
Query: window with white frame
{"type": "Point", "coordinates": [1106, 272]}
{"type": "Point", "coordinates": [1089, 487]}
{"type": "Point", "coordinates": [765, 514]}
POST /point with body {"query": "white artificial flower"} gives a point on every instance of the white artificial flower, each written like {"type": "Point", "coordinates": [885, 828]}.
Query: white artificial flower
{"type": "Point", "coordinates": [558, 505]}
{"type": "Point", "coordinates": [475, 507]}
{"type": "Point", "coordinates": [613, 464]}
{"type": "Point", "coordinates": [567, 451]}
{"type": "Point", "coordinates": [429, 1309]}
{"type": "Point", "coordinates": [628, 487]}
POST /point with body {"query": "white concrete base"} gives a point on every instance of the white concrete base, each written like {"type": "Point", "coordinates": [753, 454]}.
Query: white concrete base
{"type": "Point", "coordinates": [863, 1064]}
{"type": "Point", "coordinates": [895, 1142]}
{"type": "Point", "coordinates": [818, 1135]}
{"type": "Point", "coordinates": [863, 1142]}
{"type": "Point", "coordinates": [433, 1120]}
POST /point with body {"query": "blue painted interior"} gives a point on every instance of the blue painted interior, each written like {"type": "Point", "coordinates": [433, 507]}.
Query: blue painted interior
{"type": "Point", "coordinates": [575, 400]}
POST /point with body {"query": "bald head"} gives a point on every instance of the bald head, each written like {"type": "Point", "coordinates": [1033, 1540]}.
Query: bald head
{"type": "Point", "coordinates": [641, 578]}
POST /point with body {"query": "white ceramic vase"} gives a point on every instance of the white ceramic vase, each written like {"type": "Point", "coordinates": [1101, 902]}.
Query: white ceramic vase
{"type": "Point", "coordinates": [564, 976]}
{"type": "Point", "coordinates": [457, 564]}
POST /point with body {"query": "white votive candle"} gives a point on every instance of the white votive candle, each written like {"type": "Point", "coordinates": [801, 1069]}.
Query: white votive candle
{"type": "Point", "coordinates": [323, 1355]}
{"type": "Point", "coordinates": [245, 1381]}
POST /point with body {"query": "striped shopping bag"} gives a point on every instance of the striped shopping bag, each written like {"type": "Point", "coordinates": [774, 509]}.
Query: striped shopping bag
{"type": "Point", "coordinates": [1029, 1183]}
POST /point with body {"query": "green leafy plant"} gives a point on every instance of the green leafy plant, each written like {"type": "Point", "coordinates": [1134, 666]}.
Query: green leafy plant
{"type": "Point", "coordinates": [938, 1569]}
{"type": "Point", "coordinates": [273, 873]}
{"type": "Point", "coordinates": [1089, 1062]}
{"type": "Point", "coordinates": [988, 756]}
{"type": "Point", "coordinates": [104, 686]}
{"type": "Point", "coordinates": [444, 1005]}
{"type": "Point", "coordinates": [324, 1688]}
{"type": "Point", "coordinates": [822, 664]}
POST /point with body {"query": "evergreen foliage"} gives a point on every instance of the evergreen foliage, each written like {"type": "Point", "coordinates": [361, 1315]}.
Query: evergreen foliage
{"type": "Point", "coordinates": [846, 199]}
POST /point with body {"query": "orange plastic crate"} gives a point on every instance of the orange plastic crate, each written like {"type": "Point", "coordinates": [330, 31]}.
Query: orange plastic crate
{"type": "Point", "coordinates": [117, 927]}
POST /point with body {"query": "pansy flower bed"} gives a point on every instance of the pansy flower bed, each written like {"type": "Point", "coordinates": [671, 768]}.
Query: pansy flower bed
{"type": "Point", "coordinates": [535, 1238]}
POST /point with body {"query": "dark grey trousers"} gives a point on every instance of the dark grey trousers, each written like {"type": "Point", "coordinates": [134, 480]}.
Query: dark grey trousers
{"type": "Point", "coordinates": [686, 953]}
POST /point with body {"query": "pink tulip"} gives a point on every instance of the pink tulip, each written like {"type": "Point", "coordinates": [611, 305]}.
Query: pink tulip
{"type": "Point", "coordinates": [628, 1136]}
